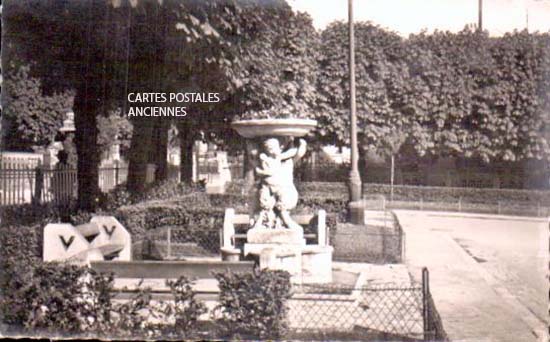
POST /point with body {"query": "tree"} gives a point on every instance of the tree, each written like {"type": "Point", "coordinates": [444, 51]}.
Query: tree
{"type": "Point", "coordinates": [392, 100]}
{"type": "Point", "coordinates": [268, 69]}
{"type": "Point", "coordinates": [36, 118]}
{"type": "Point", "coordinates": [464, 94]}
{"type": "Point", "coordinates": [114, 129]}
{"type": "Point", "coordinates": [68, 45]}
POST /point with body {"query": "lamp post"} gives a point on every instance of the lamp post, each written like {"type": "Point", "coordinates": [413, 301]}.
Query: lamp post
{"type": "Point", "coordinates": [354, 177]}
{"type": "Point", "coordinates": [480, 15]}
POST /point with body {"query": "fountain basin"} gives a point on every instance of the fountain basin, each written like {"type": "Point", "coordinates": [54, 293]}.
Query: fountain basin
{"type": "Point", "coordinates": [290, 127]}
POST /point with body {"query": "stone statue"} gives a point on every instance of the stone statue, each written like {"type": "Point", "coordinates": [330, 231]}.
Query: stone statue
{"type": "Point", "coordinates": [277, 194]}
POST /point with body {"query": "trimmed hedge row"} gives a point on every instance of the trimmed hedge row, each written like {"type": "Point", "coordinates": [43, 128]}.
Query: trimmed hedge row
{"type": "Point", "coordinates": [142, 217]}
{"type": "Point", "coordinates": [19, 245]}
{"type": "Point", "coordinates": [253, 304]}
{"type": "Point", "coordinates": [28, 214]}
{"type": "Point", "coordinates": [58, 299]}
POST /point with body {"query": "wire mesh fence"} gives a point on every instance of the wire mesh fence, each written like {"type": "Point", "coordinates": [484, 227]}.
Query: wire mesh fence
{"type": "Point", "coordinates": [387, 311]}
{"type": "Point", "coordinates": [380, 240]}
{"type": "Point", "coordinates": [374, 312]}
{"type": "Point", "coordinates": [177, 242]}
{"type": "Point", "coordinates": [500, 208]}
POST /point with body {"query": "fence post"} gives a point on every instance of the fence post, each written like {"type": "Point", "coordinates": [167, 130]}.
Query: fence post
{"type": "Point", "coordinates": [38, 185]}
{"type": "Point", "coordinates": [425, 303]}
{"type": "Point", "coordinates": [459, 204]}
{"type": "Point", "coordinates": [403, 246]}
{"type": "Point", "coordinates": [169, 247]}
{"type": "Point", "coordinates": [116, 172]}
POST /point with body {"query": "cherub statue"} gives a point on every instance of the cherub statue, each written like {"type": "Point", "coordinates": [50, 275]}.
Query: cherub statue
{"type": "Point", "coordinates": [277, 193]}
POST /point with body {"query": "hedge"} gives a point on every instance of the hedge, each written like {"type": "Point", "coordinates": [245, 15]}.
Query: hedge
{"type": "Point", "coordinates": [58, 299]}
{"type": "Point", "coordinates": [19, 245]}
{"type": "Point", "coordinates": [55, 300]}
{"type": "Point", "coordinates": [28, 214]}
{"type": "Point", "coordinates": [252, 305]}
{"type": "Point", "coordinates": [142, 217]}
{"type": "Point", "coordinates": [430, 193]}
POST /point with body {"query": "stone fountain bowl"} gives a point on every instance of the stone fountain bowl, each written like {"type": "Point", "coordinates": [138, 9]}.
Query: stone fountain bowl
{"type": "Point", "coordinates": [274, 127]}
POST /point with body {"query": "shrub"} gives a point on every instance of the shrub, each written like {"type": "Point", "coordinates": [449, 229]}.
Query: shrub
{"type": "Point", "coordinates": [65, 299]}
{"type": "Point", "coordinates": [187, 309]}
{"type": "Point", "coordinates": [117, 197]}
{"type": "Point", "coordinates": [253, 305]}
{"type": "Point", "coordinates": [19, 247]}
{"type": "Point", "coordinates": [57, 298]}
{"type": "Point", "coordinates": [28, 214]}
{"type": "Point", "coordinates": [165, 190]}
{"type": "Point", "coordinates": [129, 319]}
{"type": "Point", "coordinates": [81, 217]}
{"type": "Point", "coordinates": [236, 201]}
{"type": "Point", "coordinates": [171, 189]}
{"type": "Point", "coordinates": [174, 319]}
{"type": "Point", "coordinates": [141, 217]}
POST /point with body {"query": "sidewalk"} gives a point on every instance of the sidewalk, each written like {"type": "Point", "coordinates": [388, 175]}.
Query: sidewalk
{"type": "Point", "coordinates": [480, 216]}
{"type": "Point", "coordinates": [473, 306]}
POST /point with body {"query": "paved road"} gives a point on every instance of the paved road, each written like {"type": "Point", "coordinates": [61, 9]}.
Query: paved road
{"type": "Point", "coordinates": [486, 271]}
{"type": "Point", "coordinates": [513, 251]}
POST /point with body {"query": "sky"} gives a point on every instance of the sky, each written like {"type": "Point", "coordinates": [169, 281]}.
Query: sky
{"type": "Point", "coordinates": [412, 16]}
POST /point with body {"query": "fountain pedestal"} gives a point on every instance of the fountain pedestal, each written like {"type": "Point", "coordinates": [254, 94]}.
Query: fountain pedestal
{"type": "Point", "coordinates": [284, 249]}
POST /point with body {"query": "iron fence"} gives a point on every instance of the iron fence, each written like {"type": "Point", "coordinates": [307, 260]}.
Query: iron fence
{"type": "Point", "coordinates": [41, 185]}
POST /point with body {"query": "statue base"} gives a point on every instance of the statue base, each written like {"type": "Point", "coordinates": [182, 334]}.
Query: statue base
{"type": "Point", "coordinates": [310, 264]}
{"type": "Point", "coordinates": [275, 236]}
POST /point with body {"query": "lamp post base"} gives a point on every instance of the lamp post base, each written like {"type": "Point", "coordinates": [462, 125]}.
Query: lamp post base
{"type": "Point", "coordinates": [356, 212]}
{"type": "Point", "coordinates": [356, 206]}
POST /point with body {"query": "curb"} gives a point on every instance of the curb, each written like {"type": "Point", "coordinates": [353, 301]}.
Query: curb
{"type": "Point", "coordinates": [477, 216]}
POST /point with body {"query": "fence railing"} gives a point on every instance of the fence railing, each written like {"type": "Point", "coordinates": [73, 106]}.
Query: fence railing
{"type": "Point", "coordinates": [41, 185]}
{"type": "Point", "coordinates": [499, 208]}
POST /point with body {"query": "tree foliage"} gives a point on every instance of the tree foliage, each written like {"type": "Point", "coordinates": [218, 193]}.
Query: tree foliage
{"type": "Point", "coordinates": [34, 118]}
{"type": "Point", "coordinates": [114, 129]}
{"type": "Point", "coordinates": [464, 94]}
{"type": "Point", "coordinates": [277, 63]}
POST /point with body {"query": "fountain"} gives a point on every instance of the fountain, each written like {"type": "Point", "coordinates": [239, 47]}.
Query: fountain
{"type": "Point", "coordinates": [275, 239]}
